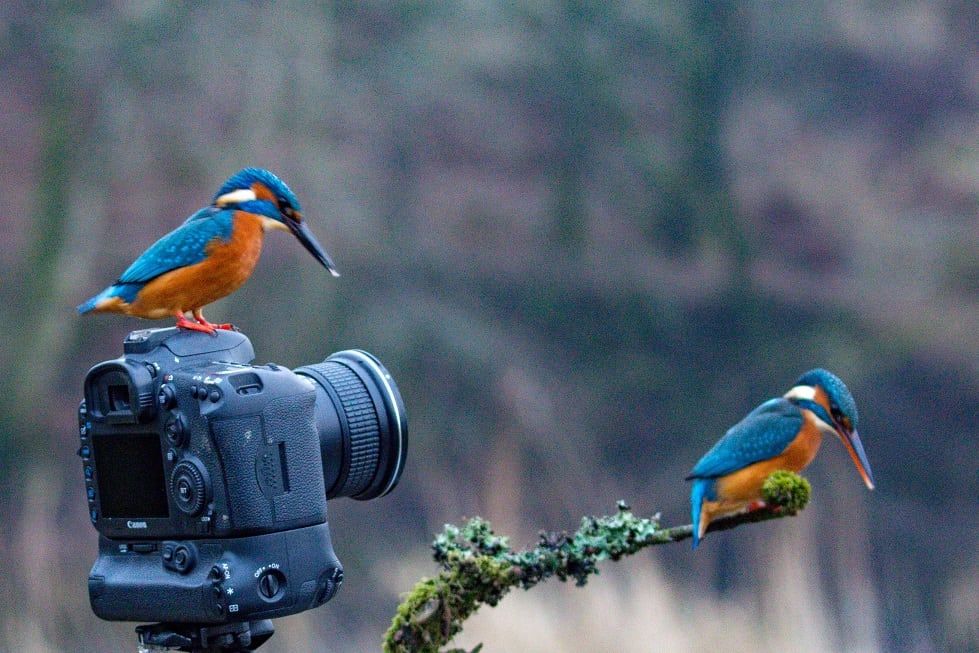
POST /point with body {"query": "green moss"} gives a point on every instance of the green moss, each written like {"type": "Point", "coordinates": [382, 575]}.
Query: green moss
{"type": "Point", "coordinates": [786, 490]}
{"type": "Point", "coordinates": [433, 612]}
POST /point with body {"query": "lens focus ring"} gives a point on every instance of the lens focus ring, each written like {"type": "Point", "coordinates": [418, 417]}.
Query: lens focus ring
{"type": "Point", "coordinates": [362, 425]}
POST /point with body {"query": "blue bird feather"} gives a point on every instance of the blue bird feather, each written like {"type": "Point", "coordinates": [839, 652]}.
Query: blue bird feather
{"type": "Point", "coordinates": [245, 178]}
{"type": "Point", "coordinates": [125, 291]}
{"type": "Point", "coordinates": [185, 245]}
{"type": "Point", "coordinates": [703, 488]}
{"type": "Point", "coordinates": [763, 434]}
{"type": "Point", "coordinates": [838, 393]}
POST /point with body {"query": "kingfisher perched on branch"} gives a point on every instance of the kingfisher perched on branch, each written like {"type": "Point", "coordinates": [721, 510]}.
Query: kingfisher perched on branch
{"type": "Point", "coordinates": [210, 255]}
{"type": "Point", "coordinates": [782, 433]}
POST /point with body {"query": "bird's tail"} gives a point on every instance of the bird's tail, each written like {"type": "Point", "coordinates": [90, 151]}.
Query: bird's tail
{"type": "Point", "coordinates": [124, 291]}
{"type": "Point", "coordinates": [702, 489]}
{"type": "Point", "coordinates": [90, 304]}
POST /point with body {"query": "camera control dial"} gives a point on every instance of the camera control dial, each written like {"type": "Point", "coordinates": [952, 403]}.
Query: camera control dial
{"type": "Point", "coordinates": [188, 487]}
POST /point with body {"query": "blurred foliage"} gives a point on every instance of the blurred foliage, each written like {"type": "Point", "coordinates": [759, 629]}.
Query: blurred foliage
{"type": "Point", "coordinates": [585, 237]}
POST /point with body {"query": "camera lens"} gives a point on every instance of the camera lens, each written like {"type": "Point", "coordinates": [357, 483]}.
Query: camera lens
{"type": "Point", "coordinates": [362, 425]}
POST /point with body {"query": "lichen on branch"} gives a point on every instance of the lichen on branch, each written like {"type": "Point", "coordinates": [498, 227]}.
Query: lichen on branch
{"type": "Point", "coordinates": [479, 566]}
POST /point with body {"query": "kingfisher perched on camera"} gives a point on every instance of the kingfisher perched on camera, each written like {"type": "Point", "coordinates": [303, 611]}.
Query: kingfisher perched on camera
{"type": "Point", "coordinates": [781, 434]}
{"type": "Point", "coordinates": [210, 255]}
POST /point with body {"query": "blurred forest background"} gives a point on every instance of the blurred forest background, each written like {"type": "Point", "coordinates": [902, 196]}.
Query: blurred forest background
{"type": "Point", "coordinates": [585, 237]}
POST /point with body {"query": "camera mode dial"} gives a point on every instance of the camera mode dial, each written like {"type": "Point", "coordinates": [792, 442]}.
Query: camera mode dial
{"type": "Point", "coordinates": [188, 486]}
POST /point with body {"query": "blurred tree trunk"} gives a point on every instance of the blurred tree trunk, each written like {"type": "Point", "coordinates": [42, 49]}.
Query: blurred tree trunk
{"type": "Point", "coordinates": [698, 196]}
{"type": "Point", "coordinates": [47, 275]}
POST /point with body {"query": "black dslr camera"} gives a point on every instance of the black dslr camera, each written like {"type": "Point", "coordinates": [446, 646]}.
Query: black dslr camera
{"type": "Point", "coordinates": [208, 478]}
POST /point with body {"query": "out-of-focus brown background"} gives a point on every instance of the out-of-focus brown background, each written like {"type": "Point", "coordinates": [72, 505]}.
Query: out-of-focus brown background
{"type": "Point", "coordinates": [585, 237]}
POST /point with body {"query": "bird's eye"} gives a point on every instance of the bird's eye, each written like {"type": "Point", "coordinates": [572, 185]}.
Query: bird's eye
{"type": "Point", "coordinates": [290, 212]}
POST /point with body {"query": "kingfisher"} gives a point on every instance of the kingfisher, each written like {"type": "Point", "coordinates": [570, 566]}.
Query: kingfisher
{"type": "Point", "coordinates": [783, 433]}
{"type": "Point", "coordinates": [210, 255]}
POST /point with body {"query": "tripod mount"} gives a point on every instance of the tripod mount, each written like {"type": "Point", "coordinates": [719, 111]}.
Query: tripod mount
{"type": "Point", "coordinates": [238, 637]}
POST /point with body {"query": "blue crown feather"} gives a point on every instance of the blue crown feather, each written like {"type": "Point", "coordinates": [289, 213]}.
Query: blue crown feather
{"type": "Point", "coordinates": [245, 178]}
{"type": "Point", "coordinates": [838, 393]}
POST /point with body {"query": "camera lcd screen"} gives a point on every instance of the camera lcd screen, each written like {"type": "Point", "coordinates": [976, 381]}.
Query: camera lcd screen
{"type": "Point", "coordinates": [130, 475]}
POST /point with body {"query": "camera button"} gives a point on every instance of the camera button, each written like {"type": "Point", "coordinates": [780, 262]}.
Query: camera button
{"type": "Point", "coordinates": [181, 558]}
{"type": "Point", "coordinates": [215, 395]}
{"type": "Point", "coordinates": [166, 397]}
{"type": "Point", "coordinates": [176, 428]}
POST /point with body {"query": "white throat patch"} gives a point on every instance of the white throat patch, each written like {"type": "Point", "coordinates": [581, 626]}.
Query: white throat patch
{"type": "Point", "coordinates": [268, 224]}
{"type": "Point", "coordinates": [808, 392]}
{"type": "Point", "coordinates": [821, 425]}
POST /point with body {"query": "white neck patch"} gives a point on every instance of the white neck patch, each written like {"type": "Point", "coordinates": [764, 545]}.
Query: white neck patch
{"type": "Point", "coordinates": [236, 197]}
{"type": "Point", "coordinates": [801, 392]}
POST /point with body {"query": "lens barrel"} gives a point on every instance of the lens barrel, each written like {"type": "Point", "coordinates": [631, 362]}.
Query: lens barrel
{"type": "Point", "coordinates": [362, 425]}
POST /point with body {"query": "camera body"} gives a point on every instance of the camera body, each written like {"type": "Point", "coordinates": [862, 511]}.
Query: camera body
{"type": "Point", "coordinates": [207, 477]}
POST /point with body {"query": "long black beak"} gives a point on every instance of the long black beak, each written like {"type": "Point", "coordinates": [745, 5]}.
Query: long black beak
{"type": "Point", "coordinates": [306, 237]}
{"type": "Point", "coordinates": [855, 448]}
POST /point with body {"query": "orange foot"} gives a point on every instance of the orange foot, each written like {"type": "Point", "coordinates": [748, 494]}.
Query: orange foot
{"type": "Point", "coordinates": [184, 323]}
{"type": "Point", "coordinates": [199, 316]}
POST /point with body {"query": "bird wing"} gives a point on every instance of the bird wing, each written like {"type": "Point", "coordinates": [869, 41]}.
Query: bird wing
{"type": "Point", "coordinates": [764, 433]}
{"type": "Point", "coordinates": [185, 245]}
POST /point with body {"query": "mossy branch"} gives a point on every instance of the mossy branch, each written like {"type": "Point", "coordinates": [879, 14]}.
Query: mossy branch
{"type": "Point", "coordinates": [480, 567]}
